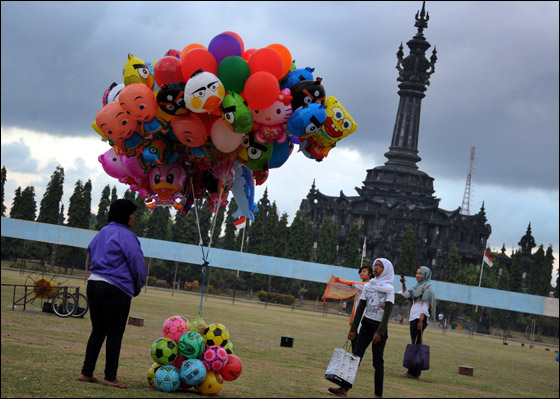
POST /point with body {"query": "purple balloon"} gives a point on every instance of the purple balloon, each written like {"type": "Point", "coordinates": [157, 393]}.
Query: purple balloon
{"type": "Point", "coordinates": [223, 46]}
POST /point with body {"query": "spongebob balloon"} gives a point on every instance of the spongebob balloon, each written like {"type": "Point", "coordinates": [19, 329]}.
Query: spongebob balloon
{"type": "Point", "coordinates": [137, 71]}
{"type": "Point", "coordinates": [338, 125]}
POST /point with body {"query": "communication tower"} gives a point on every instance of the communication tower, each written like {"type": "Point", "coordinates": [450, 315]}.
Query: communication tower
{"type": "Point", "coordinates": [465, 206]}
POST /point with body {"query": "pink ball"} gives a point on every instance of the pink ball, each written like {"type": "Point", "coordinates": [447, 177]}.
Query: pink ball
{"type": "Point", "coordinates": [214, 358]}
{"type": "Point", "coordinates": [174, 327]}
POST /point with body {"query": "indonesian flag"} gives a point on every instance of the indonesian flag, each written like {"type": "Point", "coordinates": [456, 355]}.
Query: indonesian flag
{"type": "Point", "coordinates": [240, 223]}
{"type": "Point", "coordinates": [364, 248]}
{"type": "Point", "coordinates": [487, 259]}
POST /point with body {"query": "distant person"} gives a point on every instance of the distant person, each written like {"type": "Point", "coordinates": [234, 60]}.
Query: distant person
{"type": "Point", "coordinates": [118, 273]}
{"type": "Point", "coordinates": [423, 306]}
{"type": "Point", "coordinates": [440, 318]}
{"type": "Point", "coordinates": [376, 303]}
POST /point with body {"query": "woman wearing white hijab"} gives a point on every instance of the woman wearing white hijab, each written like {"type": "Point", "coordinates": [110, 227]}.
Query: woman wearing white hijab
{"type": "Point", "coordinates": [376, 303]}
{"type": "Point", "coordinates": [423, 305]}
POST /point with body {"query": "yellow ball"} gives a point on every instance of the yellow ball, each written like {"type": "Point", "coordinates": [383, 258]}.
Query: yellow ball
{"type": "Point", "coordinates": [152, 374]}
{"type": "Point", "coordinates": [212, 384]}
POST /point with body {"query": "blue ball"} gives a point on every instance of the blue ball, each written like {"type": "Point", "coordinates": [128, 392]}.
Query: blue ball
{"type": "Point", "coordinates": [167, 379]}
{"type": "Point", "coordinates": [193, 372]}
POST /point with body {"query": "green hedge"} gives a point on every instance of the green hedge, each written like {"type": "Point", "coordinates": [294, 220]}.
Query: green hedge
{"type": "Point", "coordinates": [272, 297]}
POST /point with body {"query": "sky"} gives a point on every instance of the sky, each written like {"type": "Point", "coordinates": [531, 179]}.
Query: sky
{"type": "Point", "coordinates": [495, 88]}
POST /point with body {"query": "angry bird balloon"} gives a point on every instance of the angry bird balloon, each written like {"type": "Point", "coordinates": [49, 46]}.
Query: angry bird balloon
{"type": "Point", "coordinates": [296, 76]}
{"type": "Point", "coordinates": [112, 93]}
{"type": "Point", "coordinates": [171, 98]}
{"type": "Point", "coordinates": [204, 92]}
{"type": "Point", "coordinates": [236, 114]}
{"type": "Point", "coordinates": [254, 155]}
{"type": "Point", "coordinates": [307, 120]}
{"type": "Point", "coordinates": [139, 102]}
{"type": "Point", "coordinates": [307, 92]}
{"type": "Point", "coordinates": [338, 125]}
{"type": "Point", "coordinates": [137, 71]}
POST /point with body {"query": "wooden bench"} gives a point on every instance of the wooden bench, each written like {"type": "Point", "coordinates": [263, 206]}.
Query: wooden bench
{"type": "Point", "coordinates": [466, 370]}
{"type": "Point", "coordinates": [136, 321]}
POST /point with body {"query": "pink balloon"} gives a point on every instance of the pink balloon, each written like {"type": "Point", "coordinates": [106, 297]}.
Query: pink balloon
{"type": "Point", "coordinates": [134, 168]}
{"type": "Point", "coordinates": [113, 164]}
{"type": "Point", "coordinates": [223, 138]}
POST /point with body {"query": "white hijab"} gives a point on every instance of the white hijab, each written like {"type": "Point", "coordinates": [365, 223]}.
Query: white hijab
{"type": "Point", "coordinates": [383, 283]}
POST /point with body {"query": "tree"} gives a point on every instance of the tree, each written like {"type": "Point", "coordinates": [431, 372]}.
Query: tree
{"type": "Point", "coordinates": [352, 249]}
{"type": "Point", "coordinates": [24, 206]}
{"type": "Point", "coordinates": [409, 253]}
{"type": "Point", "coordinates": [516, 272]}
{"type": "Point", "coordinates": [103, 208]}
{"type": "Point", "coordinates": [50, 204]}
{"type": "Point", "coordinates": [328, 241]}
{"type": "Point", "coordinates": [300, 240]}
{"type": "Point", "coordinates": [79, 208]}
{"type": "Point", "coordinates": [452, 266]}
{"type": "Point", "coordinates": [541, 274]}
{"type": "Point", "coordinates": [114, 195]}
{"type": "Point", "coordinates": [230, 230]}
{"type": "Point", "coordinates": [3, 183]}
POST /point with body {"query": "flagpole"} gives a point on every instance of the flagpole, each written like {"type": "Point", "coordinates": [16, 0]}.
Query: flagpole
{"type": "Point", "coordinates": [480, 279]}
{"type": "Point", "coordinates": [363, 250]}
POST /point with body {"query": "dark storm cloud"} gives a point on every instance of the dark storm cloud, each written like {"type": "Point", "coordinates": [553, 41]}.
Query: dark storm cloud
{"type": "Point", "coordinates": [495, 86]}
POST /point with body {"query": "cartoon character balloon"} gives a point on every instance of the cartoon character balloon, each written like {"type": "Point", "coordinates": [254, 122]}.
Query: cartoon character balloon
{"type": "Point", "coordinates": [307, 92]}
{"type": "Point", "coordinates": [139, 101]}
{"type": "Point", "coordinates": [271, 121]}
{"type": "Point", "coordinates": [189, 130]}
{"type": "Point", "coordinates": [171, 98]}
{"type": "Point", "coordinates": [236, 114]}
{"type": "Point", "coordinates": [137, 71]}
{"type": "Point", "coordinates": [166, 182]}
{"type": "Point", "coordinates": [253, 154]}
{"type": "Point", "coordinates": [306, 121]}
{"type": "Point", "coordinates": [203, 92]}
{"type": "Point", "coordinates": [119, 128]}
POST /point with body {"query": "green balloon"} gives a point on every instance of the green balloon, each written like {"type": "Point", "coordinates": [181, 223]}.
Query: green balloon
{"type": "Point", "coordinates": [233, 72]}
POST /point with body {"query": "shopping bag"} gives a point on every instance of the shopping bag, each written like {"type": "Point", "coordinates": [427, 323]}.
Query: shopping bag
{"type": "Point", "coordinates": [343, 367]}
{"type": "Point", "coordinates": [417, 357]}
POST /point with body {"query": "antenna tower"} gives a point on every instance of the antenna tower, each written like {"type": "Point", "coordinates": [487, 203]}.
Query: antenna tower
{"type": "Point", "coordinates": [465, 206]}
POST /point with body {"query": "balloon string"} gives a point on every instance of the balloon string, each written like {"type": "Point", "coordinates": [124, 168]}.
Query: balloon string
{"type": "Point", "coordinates": [200, 244]}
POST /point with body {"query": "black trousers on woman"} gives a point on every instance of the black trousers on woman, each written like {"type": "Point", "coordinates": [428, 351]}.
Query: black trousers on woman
{"type": "Point", "coordinates": [109, 307]}
{"type": "Point", "coordinates": [416, 337]}
{"type": "Point", "coordinates": [367, 331]}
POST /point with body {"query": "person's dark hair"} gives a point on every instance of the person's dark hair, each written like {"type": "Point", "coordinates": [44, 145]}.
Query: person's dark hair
{"type": "Point", "coordinates": [369, 269]}
{"type": "Point", "coordinates": [121, 210]}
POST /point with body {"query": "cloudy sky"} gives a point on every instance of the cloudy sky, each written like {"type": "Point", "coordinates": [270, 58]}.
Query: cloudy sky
{"type": "Point", "coordinates": [495, 88]}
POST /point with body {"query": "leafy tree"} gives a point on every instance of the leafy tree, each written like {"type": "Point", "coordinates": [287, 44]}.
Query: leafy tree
{"type": "Point", "coordinates": [282, 232]}
{"type": "Point", "coordinates": [50, 204]}
{"type": "Point", "coordinates": [516, 273]}
{"type": "Point", "coordinates": [114, 195]}
{"type": "Point", "coordinates": [409, 253]}
{"type": "Point", "coordinates": [452, 266]}
{"type": "Point", "coordinates": [103, 208]}
{"type": "Point", "coordinates": [3, 183]}
{"type": "Point", "coordinates": [328, 240]}
{"type": "Point", "coordinates": [159, 223]}
{"type": "Point", "coordinates": [352, 249]}
{"type": "Point", "coordinates": [541, 274]}
{"type": "Point", "coordinates": [259, 236]}
{"type": "Point", "coordinates": [24, 206]}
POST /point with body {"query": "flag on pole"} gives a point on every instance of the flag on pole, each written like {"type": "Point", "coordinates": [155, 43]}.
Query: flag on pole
{"type": "Point", "coordinates": [487, 259]}
{"type": "Point", "coordinates": [364, 248]}
{"type": "Point", "coordinates": [240, 223]}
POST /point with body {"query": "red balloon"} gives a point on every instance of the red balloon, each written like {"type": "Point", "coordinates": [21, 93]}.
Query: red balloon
{"type": "Point", "coordinates": [173, 53]}
{"type": "Point", "coordinates": [168, 70]}
{"type": "Point", "coordinates": [261, 90]}
{"type": "Point", "coordinates": [247, 54]}
{"type": "Point", "coordinates": [267, 59]}
{"type": "Point", "coordinates": [198, 59]}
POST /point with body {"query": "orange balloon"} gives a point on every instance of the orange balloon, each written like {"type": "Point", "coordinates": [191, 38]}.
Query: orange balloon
{"type": "Point", "coordinates": [191, 47]}
{"type": "Point", "coordinates": [261, 90]}
{"type": "Point", "coordinates": [285, 54]}
{"type": "Point", "coordinates": [198, 58]}
{"type": "Point", "coordinates": [268, 60]}
{"type": "Point", "coordinates": [238, 38]}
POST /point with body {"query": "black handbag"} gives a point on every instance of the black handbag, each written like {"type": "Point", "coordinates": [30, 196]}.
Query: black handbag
{"type": "Point", "coordinates": [417, 356]}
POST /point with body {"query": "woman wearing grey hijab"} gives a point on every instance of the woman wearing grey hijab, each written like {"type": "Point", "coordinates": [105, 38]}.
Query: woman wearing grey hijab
{"type": "Point", "coordinates": [423, 300]}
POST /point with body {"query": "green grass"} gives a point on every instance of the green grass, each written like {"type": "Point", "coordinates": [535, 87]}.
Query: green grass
{"type": "Point", "coordinates": [42, 354]}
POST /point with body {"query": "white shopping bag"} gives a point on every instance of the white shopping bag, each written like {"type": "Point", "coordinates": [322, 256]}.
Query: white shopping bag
{"type": "Point", "coordinates": [342, 368]}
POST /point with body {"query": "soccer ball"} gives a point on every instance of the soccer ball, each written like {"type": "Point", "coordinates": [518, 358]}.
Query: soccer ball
{"type": "Point", "coordinates": [214, 358]}
{"type": "Point", "coordinates": [212, 384]}
{"type": "Point", "coordinates": [164, 351]}
{"type": "Point", "coordinates": [191, 345]}
{"type": "Point", "coordinates": [216, 334]}
{"type": "Point", "coordinates": [167, 379]}
{"type": "Point", "coordinates": [229, 348]}
{"type": "Point", "coordinates": [192, 372]}
{"type": "Point", "coordinates": [232, 369]}
{"type": "Point", "coordinates": [152, 374]}
{"type": "Point", "coordinates": [174, 327]}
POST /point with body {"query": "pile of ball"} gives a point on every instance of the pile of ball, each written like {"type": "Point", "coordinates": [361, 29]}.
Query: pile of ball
{"type": "Point", "coordinates": [185, 358]}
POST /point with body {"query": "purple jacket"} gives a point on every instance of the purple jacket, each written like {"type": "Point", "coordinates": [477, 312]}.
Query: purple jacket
{"type": "Point", "coordinates": [115, 255]}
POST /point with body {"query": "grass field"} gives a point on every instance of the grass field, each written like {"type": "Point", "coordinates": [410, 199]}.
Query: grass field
{"type": "Point", "coordinates": [42, 354]}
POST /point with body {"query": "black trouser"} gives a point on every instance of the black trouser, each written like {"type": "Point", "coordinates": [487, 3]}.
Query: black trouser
{"type": "Point", "coordinates": [365, 337]}
{"type": "Point", "coordinates": [416, 337]}
{"type": "Point", "coordinates": [108, 307]}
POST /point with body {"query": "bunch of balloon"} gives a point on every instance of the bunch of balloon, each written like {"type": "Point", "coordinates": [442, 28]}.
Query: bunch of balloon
{"type": "Point", "coordinates": [205, 121]}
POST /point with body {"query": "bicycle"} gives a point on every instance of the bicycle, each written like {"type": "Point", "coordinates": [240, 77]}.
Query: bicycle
{"type": "Point", "coordinates": [65, 304]}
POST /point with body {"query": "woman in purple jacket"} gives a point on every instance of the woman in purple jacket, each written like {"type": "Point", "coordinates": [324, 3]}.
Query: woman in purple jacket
{"type": "Point", "coordinates": [118, 273]}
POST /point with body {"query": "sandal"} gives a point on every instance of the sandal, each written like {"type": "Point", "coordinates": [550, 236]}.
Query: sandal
{"type": "Point", "coordinates": [338, 392]}
{"type": "Point", "coordinates": [114, 383]}
{"type": "Point", "coordinates": [406, 375]}
{"type": "Point", "coordinates": [85, 378]}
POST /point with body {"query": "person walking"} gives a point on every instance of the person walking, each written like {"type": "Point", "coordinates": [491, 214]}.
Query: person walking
{"type": "Point", "coordinates": [118, 273]}
{"type": "Point", "coordinates": [375, 305]}
{"type": "Point", "coordinates": [423, 306]}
